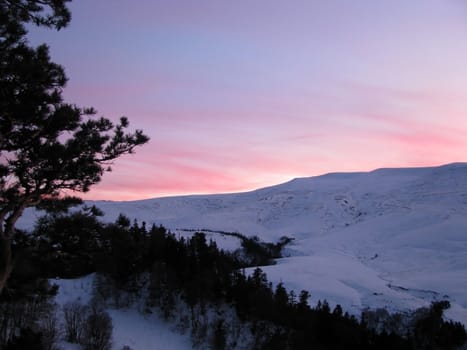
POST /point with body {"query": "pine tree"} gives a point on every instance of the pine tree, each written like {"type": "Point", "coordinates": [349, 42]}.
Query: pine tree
{"type": "Point", "coordinates": [46, 145]}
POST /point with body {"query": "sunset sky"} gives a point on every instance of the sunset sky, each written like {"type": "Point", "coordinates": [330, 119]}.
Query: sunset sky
{"type": "Point", "coordinates": [243, 94]}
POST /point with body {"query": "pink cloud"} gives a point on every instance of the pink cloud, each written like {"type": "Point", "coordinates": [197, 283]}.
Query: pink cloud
{"type": "Point", "coordinates": [146, 181]}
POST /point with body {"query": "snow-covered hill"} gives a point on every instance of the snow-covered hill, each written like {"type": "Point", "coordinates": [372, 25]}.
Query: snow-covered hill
{"type": "Point", "coordinates": [391, 237]}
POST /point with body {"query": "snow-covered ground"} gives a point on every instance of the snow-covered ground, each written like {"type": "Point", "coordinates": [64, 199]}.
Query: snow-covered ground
{"type": "Point", "coordinates": [130, 327]}
{"type": "Point", "coordinates": [391, 237]}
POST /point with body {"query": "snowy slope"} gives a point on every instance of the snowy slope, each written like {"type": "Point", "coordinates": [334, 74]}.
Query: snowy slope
{"type": "Point", "coordinates": [391, 237]}
{"type": "Point", "coordinates": [130, 327]}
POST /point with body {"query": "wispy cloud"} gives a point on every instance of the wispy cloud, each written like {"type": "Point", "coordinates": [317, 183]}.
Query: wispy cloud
{"type": "Point", "coordinates": [239, 95]}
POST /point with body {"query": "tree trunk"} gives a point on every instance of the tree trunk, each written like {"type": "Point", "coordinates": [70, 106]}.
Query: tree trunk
{"type": "Point", "coordinates": [7, 231]}
{"type": "Point", "coordinates": [5, 261]}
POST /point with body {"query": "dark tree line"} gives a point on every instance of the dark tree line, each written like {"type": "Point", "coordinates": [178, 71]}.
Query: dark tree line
{"type": "Point", "coordinates": [130, 257]}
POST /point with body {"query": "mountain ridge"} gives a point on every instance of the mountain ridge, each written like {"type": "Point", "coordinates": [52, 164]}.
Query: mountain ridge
{"type": "Point", "coordinates": [350, 173]}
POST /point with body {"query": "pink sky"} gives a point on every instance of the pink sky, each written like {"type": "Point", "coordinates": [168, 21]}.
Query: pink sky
{"type": "Point", "coordinates": [238, 95]}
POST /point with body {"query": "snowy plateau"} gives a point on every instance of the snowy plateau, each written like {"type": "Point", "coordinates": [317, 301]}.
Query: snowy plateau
{"type": "Point", "coordinates": [392, 238]}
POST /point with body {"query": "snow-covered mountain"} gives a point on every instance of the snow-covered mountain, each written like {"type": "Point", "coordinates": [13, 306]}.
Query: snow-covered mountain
{"type": "Point", "coordinates": [394, 238]}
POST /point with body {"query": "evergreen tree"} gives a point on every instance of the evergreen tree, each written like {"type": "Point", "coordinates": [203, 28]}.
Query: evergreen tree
{"type": "Point", "coordinates": [46, 145]}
